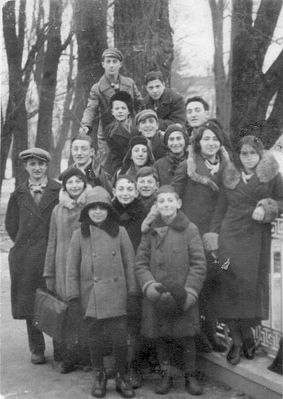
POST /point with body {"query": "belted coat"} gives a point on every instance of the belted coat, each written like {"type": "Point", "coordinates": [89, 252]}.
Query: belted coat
{"type": "Point", "coordinates": [28, 225]}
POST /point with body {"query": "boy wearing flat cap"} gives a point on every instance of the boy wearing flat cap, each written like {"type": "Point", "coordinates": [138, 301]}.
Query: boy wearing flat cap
{"type": "Point", "coordinates": [27, 223]}
{"type": "Point", "coordinates": [97, 114]}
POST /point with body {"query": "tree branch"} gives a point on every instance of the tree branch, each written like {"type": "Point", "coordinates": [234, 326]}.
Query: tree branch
{"type": "Point", "coordinates": [67, 41]}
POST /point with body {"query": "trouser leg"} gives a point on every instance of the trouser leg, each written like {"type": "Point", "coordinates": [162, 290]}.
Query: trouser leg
{"type": "Point", "coordinates": [35, 338]}
{"type": "Point", "coordinates": [235, 332]}
{"type": "Point", "coordinates": [189, 354]}
{"type": "Point", "coordinates": [95, 338]}
{"type": "Point", "coordinates": [118, 328]}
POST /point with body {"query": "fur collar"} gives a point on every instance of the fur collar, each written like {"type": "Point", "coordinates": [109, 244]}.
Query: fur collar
{"type": "Point", "coordinates": [180, 223]}
{"type": "Point", "coordinates": [266, 170]}
{"type": "Point", "coordinates": [70, 203]}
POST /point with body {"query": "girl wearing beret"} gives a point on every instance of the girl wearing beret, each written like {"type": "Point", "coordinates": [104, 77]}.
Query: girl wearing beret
{"type": "Point", "coordinates": [27, 223]}
{"type": "Point", "coordinates": [251, 198]}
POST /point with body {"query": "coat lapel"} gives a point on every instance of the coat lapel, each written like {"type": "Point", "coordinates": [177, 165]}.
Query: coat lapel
{"type": "Point", "coordinates": [50, 194]}
{"type": "Point", "coordinates": [29, 202]}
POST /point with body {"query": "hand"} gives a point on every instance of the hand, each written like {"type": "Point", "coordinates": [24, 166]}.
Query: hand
{"type": "Point", "coordinates": [84, 130]}
{"type": "Point", "coordinates": [153, 291]}
{"type": "Point", "coordinates": [210, 241]}
{"type": "Point", "coordinates": [50, 284]}
{"type": "Point", "coordinates": [189, 302]}
{"type": "Point", "coordinates": [258, 214]}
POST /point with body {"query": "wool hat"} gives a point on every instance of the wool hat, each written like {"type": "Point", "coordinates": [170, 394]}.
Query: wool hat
{"type": "Point", "coordinates": [66, 174]}
{"type": "Point", "coordinates": [176, 127]}
{"type": "Point", "coordinates": [138, 140]}
{"type": "Point", "coordinates": [35, 152]}
{"type": "Point", "coordinates": [97, 195]}
{"type": "Point", "coordinates": [114, 53]}
{"type": "Point", "coordinates": [145, 113]}
{"type": "Point", "coordinates": [212, 125]}
{"type": "Point", "coordinates": [124, 97]}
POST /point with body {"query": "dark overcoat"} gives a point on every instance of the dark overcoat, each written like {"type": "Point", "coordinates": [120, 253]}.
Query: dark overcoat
{"type": "Point", "coordinates": [166, 167]}
{"type": "Point", "coordinates": [244, 244]}
{"type": "Point", "coordinates": [27, 225]}
{"type": "Point", "coordinates": [172, 252]}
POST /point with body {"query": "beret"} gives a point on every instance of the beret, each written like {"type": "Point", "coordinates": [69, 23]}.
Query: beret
{"type": "Point", "coordinates": [145, 113]}
{"type": "Point", "coordinates": [66, 174]}
{"type": "Point", "coordinates": [138, 140]}
{"type": "Point", "coordinates": [214, 126]}
{"type": "Point", "coordinates": [176, 127]}
{"type": "Point", "coordinates": [35, 152]}
{"type": "Point", "coordinates": [112, 52]}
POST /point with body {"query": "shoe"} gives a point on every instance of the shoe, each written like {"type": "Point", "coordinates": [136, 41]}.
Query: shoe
{"type": "Point", "coordinates": [216, 343]}
{"type": "Point", "coordinates": [66, 367]}
{"type": "Point", "coordinates": [37, 358]}
{"type": "Point", "coordinates": [249, 348]}
{"type": "Point", "coordinates": [135, 378]}
{"type": "Point", "coordinates": [166, 382]}
{"type": "Point", "coordinates": [98, 389]}
{"type": "Point", "coordinates": [234, 355]}
{"type": "Point", "coordinates": [123, 387]}
{"type": "Point", "coordinates": [202, 343]}
{"type": "Point", "coordinates": [193, 387]}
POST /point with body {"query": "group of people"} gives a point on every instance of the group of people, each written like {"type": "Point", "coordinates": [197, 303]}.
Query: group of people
{"type": "Point", "coordinates": [154, 235]}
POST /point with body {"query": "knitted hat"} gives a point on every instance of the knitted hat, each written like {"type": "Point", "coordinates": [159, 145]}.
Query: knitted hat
{"type": "Point", "coordinates": [128, 157]}
{"type": "Point", "coordinates": [66, 174]}
{"type": "Point", "coordinates": [112, 52]}
{"type": "Point", "coordinates": [138, 140]}
{"type": "Point", "coordinates": [176, 127]}
{"type": "Point", "coordinates": [35, 152]}
{"type": "Point", "coordinates": [124, 97]}
{"type": "Point", "coordinates": [212, 125]}
{"type": "Point", "coordinates": [145, 113]}
{"type": "Point", "coordinates": [97, 195]}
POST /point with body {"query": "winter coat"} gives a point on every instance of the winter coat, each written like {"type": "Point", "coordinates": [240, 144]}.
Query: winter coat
{"type": "Point", "coordinates": [100, 272]}
{"type": "Point", "coordinates": [166, 167]}
{"type": "Point", "coordinates": [131, 217]}
{"type": "Point", "coordinates": [148, 202]}
{"type": "Point", "coordinates": [244, 244]}
{"type": "Point", "coordinates": [98, 179]}
{"type": "Point", "coordinates": [98, 106]}
{"type": "Point", "coordinates": [175, 252]}
{"type": "Point", "coordinates": [64, 221]}
{"type": "Point", "coordinates": [27, 225]}
{"type": "Point", "coordinates": [170, 108]}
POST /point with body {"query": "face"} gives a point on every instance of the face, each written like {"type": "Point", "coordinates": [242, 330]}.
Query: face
{"type": "Point", "coordinates": [97, 214]}
{"type": "Point", "coordinates": [82, 152]}
{"type": "Point", "coordinates": [125, 191]}
{"type": "Point", "coordinates": [147, 185]}
{"type": "Point", "coordinates": [155, 88]}
{"type": "Point", "coordinates": [75, 186]}
{"type": "Point", "coordinates": [209, 144]}
{"type": "Point", "coordinates": [249, 158]}
{"type": "Point", "coordinates": [36, 169]}
{"type": "Point", "coordinates": [139, 155]}
{"type": "Point", "coordinates": [176, 143]}
{"type": "Point", "coordinates": [196, 114]}
{"type": "Point", "coordinates": [148, 127]}
{"type": "Point", "coordinates": [111, 66]}
{"type": "Point", "coordinates": [120, 111]}
{"type": "Point", "coordinates": [168, 204]}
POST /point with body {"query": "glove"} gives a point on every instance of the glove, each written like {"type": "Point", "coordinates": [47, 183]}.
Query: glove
{"type": "Point", "coordinates": [50, 284]}
{"type": "Point", "coordinates": [153, 291]}
{"type": "Point", "coordinates": [74, 311]}
{"type": "Point", "coordinates": [134, 306]}
{"type": "Point", "coordinates": [166, 306]}
{"type": "Point", "coordinates": [178, 292]}
{"type": "Point", "coordinates": [190, 301]}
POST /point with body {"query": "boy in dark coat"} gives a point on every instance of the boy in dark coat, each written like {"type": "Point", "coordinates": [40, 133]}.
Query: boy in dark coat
{"type": "Point", "coordinates": [27, 223]}
{"type": "Point", "coordinates": [147, 185]}
{"type": "Point", "coordinates": [170, 267]}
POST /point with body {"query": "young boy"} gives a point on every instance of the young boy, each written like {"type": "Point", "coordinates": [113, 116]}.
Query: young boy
{"type": "Point", "coordinates": [120, 131]}
{"type": "Point", "coordinates": [170, 268]}
{"type": "Point", "coordinates": [100, 277]}
{"type": "Point", "coordinates": [147, 125]}
{"type": "Point", "coordinates": [147, 185]}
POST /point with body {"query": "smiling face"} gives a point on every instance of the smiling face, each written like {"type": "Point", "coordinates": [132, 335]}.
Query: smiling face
{"type": "Point", "coordinates": [196, 114]}
{"type": "Point", "coordinates": [147, 185]}
{"type": "Point", "coordinates": [75, 186]}
{"type": "Point", "coordinates": [125, 191]}
{"type": "Point", "coordinates": [155, 89]}
{"type": "Point", "coordinates": [139, 155]}
{"type": "Point", "coordinates": [168, 204]}
{"type": "Point", "coordinates": [120, 111]}
{"type": "Point", "coordinates": [98, 213]}
{"type": "Point", "coordinates": [36, 169]}
{"type": "Point", "coordinates": [176, 143]}
{"type": "Point", "coordinates": [209, 144]}
{"type": "Point", "coordinates": [111, 66]}
{"type": "Point", "coordinates": [249, 158]}
{"type": "Point", "coordinates": [82, 152]}
{"type": "Point", "coordinates": [148, 127]}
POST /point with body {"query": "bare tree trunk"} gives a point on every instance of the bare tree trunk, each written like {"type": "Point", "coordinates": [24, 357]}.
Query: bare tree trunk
{"type": "Point", "coordinates": [142, 32]}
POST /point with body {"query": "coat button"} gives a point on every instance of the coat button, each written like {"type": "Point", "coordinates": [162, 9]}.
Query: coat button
{"type": "Point", "coordinates": [113, 253]}
{"type": "Point", "coordinates": [96, 279]}
{"type": "Point", "coordinates": [115, 278]}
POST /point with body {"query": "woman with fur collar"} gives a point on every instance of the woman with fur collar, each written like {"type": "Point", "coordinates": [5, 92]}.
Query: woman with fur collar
{"type": "Point", "coordinates": [64, 221]}
{"type": "Point", "coordinates": [251, 198]}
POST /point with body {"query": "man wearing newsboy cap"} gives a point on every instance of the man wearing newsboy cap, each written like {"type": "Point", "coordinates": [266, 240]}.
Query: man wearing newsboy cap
{"type": "Point", "coordinates": [97, 114]}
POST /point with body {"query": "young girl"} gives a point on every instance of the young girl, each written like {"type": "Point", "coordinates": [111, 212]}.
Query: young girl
{"type": "Point", "coordinates": [64, 221]}
{"type": "Point", "coordinates": [100, 276]}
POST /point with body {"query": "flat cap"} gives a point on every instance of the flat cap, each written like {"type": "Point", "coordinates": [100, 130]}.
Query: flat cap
{"type": "Point", "coordinates": [114, 53]}
{"type": "Point", "coordinates": [145, 113]}
{"type": "Point", "coordinates": [35, 152]}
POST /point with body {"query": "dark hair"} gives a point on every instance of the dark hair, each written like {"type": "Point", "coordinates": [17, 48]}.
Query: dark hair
{"type": "Point", "coordinates": [167, 188]}
{"type": "Point", "coordinates": [147, 171]}
{"type": "Point", "coordinates": [127, 177]}
{"type": "Point", "coordinates": [210, 125]}
{"type": "Point", "coordinates": [153, 75]}
{"type": "Point", "coordinates": [199, 100]}
{"type": "Point", "coordinates": [82, 136]}
{"type": "Point", "coordinates": [124, 97]}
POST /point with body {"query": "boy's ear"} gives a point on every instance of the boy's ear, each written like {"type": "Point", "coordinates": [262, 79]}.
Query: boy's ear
{"type": "Point", "coordinates": [136, 193]}
{"type": "Point", "coordinates": [114, 192]}
{"type": "Point", "coordinates": [179, 203]}
{"type": "Point", "coordinates": [157, 185]}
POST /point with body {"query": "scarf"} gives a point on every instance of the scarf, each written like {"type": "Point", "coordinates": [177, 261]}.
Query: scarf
{"type": "Point", "coordinates": [175, 160]}
{"type": "Point", "coordinates": [37, 190]}
{"type": "Point", "coordinates": [213, 167]}
{"type": "Point", "coordinates": [245, 176]}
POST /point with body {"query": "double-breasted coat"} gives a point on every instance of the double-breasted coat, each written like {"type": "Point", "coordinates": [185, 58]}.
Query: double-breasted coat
{"type": "Point", "coordinates": [244, 243]}
{"type": "Point", "coordinates": [175, 252]}
{"type": "Point", "coordinates": [27, 225]}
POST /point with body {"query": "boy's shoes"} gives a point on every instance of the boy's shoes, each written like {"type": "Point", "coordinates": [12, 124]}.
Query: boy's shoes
{"type": "Point", "coordinates": [66, 367]}
{"type": "Point", "coordinates": [123, 387]}
{"type": "Point", "coordinates": [37, 358]}
{"type": "Point", "coordinates": [249, 348]}
{"type": "Point", "coordinates": [234, 354]}
{"type": "Point", "coordinates": [216, 343]}
{"type": "Point", "coordinates": [98, 389]}
{"type": "Point", "coordinates": [135, 378]}
{"type": "Point", "coordinates": [166, 382]}
{"type": "Point", "coordinates": [192, 385]}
